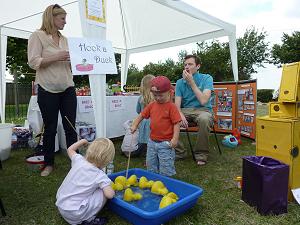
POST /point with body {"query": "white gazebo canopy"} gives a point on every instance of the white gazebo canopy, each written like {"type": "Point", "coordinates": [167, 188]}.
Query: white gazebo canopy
{"type": "Point", "coordinates": [132, 26]}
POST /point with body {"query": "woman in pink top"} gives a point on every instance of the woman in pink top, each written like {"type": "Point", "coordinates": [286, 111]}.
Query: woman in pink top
{"type": "Point", "coordinates": [48, 55]}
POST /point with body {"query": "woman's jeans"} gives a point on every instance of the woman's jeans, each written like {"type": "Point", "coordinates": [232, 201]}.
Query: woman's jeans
{"type": "Point", "coordinates": [50, 105]}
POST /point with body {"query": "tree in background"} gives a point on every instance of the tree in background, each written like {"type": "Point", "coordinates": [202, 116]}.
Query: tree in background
{"type": "Point", "coordinates": [265, 95]}
{"type": "Point", "coordinates": [215, 56]}
{"type": "Point", "coordinates": [253, 52]}
{"type": "Point", "coordinates": [16, 60]}
{"type": "Point", "coordinates": [215, 60]}
{"type": "Point", "coordinates": [168, 68]}
{"type": "Point", "coordinates": [289, 51]}
{"type": "Point", "coordinates": [134, 76]}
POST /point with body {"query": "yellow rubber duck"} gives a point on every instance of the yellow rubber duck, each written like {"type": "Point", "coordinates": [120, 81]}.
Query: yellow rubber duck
{"type": "Point", "coordinates": [117, 186]}
{"type": "Point", "coordinates": [159, 188]}
{"type": "Point", "coordinates": [144, 183]}
{"type": "Point", "coordinates": [173, 196]}
{"type": "Point", "coordinates": [129, 195]}
{"type": "Point", "coordinates": [165, 201]}
{"type": "Point", "coordinates": [132, 181]}
{"type": "Point", "coordinates": [121, 180]}
{"type": "Point", "coordinates": [150, 183]}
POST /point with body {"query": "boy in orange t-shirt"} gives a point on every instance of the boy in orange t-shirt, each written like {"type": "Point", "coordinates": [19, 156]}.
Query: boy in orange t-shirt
{"type": "Point", "coordinates": [164, 128]}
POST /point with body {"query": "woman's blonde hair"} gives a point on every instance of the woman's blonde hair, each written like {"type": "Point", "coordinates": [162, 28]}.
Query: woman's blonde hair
{"type": "Point", "coordinates": [49, 13]}
{"type": "Point", "coordinates": [145, 87]}
{"type": "Point", "coordinates": [100, 152]}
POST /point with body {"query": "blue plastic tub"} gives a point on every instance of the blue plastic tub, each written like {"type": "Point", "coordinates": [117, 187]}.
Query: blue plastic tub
{"type": "Point", "coordinates": [188, 195]}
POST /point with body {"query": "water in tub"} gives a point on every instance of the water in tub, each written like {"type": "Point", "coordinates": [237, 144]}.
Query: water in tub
{"type": "Point", "coordinates": [149, 202]}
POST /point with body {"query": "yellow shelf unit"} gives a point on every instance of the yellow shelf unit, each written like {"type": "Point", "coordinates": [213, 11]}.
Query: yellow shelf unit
{"type": "Point", "coordinates": [279, 138]}
{"type": "Point", "coordinates": [289, 90]}
{"type": "Point", "coordinates": [284, 110]}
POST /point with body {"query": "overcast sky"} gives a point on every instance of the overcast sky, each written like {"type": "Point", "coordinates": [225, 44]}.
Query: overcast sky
{"type": "Point", "coordinates": [274, 16]}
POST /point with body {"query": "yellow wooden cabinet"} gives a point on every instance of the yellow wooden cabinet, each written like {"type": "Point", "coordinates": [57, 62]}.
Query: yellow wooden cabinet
{"type": "Point", "coordinates": [280, 139]}
{"type": "Point", "coordinates": [289, 90]}
{"type": "Point", "coordinates": [284, 110]}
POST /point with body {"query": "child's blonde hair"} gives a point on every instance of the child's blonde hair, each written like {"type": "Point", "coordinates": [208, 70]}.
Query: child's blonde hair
{"type": "Point", "coordinates": [146, 94]}
{"type": "Point", "coordinates": [49, 13]}
{"type": "Point", "coordinates": [100, 152]}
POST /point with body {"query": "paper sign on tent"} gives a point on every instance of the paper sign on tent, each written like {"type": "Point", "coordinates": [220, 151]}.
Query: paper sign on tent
{"type": "Point", "coordinates": [91, 56]}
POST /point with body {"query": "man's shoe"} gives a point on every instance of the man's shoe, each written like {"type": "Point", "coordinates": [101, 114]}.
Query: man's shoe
{"type": "Point", "coordinates": [47, 170]}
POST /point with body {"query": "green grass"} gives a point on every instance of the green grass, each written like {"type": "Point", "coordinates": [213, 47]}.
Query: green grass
{"type": "Point", "coordinates": [262, 110]}
{"type": "Point", "coordinates": [11, 115]}
{"type": "Point", "coordinates": [30, 199]}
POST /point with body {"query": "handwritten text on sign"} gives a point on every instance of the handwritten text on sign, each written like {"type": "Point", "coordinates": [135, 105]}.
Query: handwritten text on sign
{"type": "Point", "coordinates": [85, 105]}
{"type": "Point", "coordinates": [116, 104]}
{"type": "Point", "coordinates": [91, 56]}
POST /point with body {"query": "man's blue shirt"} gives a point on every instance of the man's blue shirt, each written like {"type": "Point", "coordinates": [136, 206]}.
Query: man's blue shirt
{"type": "Point", "coordinates": [189, 99]}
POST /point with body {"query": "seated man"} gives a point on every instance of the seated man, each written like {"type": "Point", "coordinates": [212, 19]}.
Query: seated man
{"type": "Point", "coordinates": [192, 98]}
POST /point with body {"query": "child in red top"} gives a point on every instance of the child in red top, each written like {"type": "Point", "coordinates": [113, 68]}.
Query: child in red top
{"type": "Point", "coordinates": [164, 128]}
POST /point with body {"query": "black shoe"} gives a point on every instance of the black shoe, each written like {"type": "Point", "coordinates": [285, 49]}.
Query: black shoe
{"type": "Point", "coordinates": [96, 221]}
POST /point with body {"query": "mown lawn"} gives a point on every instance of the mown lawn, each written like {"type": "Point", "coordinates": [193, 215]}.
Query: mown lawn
{"type": "Point", "coordinates": [16, 118]}
{"type": "Point", "coordinates": [29, 199]}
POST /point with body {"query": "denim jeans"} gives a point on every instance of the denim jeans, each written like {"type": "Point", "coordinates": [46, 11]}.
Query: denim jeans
{"type": "Point", "coordinates": [50, 105]}
{"type": "Point", "coordinates": [160, 158]}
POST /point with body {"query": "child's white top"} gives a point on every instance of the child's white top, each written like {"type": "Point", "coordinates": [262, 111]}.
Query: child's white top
{"type": "Point", "coordinates": [80, 184]}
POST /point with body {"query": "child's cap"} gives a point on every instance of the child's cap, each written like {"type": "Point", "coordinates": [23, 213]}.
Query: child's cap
{"type": "Point", "coordinates": [160, 84]}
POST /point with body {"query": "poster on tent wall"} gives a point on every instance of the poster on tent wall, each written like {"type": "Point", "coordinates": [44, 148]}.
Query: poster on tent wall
{"type": "Point", "coordinates": [95, 12]}
{"type": "Point", "coordinates": [91, 56]}
{"type": "Point", "coordinates": [234, 106]}
{"type": "Point", "coordinates": [246, 108]}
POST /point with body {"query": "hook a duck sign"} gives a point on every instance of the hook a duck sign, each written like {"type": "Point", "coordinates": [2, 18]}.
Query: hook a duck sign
{"type": "Point", "coordinates": [91, 56]}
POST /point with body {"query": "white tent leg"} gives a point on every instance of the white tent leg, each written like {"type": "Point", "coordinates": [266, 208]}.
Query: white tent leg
{"type": "Point", "coordinates": [233, 55]}
{"type": "Point", "coordinates": [97, 82]}
{"type": "Point", "coordinates": [3, 47]}
{"type": "Point", "coordinates": [124, 68]}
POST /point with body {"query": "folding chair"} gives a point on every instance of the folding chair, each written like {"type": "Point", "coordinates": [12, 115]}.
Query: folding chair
{"type": "Point", "coordinates": [194, 128]}
{"type": "Point", "coordinates": [1, 203]}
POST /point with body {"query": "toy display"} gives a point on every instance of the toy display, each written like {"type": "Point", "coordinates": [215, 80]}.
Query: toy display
{"type": "Point", "coordinates": [155, 200]}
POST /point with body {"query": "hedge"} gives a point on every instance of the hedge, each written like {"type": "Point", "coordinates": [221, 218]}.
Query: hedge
{"type": "Point", "coordinates": [265, 95]}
